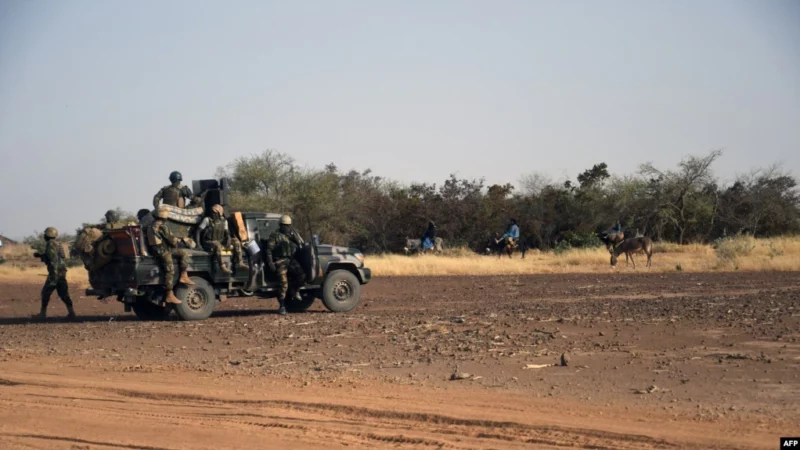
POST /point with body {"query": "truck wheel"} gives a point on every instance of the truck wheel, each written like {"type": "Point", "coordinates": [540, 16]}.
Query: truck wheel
{"type": "Point", "coordinates": [198, 301]}
{"type": "Point", "coordinates": [299, 306]}
{"type": "Point", "coordinates": [150, 311]}
{"type": "Point", "coordinates": [341, 291]}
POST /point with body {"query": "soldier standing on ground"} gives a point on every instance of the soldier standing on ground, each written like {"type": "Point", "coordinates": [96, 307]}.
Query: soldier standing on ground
{"type": "Point", "coordinates": [164, 243]}
{"type": "Point", "coordinates": [176, 193]}
{"type": "Point", "coordinates": [56, 262]}
{"type": "Point", "coordinates": [281, 246]}
{"type": "Point", "coordinates": [213, 235]}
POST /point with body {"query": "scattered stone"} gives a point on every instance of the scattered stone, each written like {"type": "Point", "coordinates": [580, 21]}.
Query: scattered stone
{"type": "Point", "coordinates": [537, 366]}
{"type": "Point", "coordinates": [460, 376]}
{"type": "Point", "coordinates": [564, 359]}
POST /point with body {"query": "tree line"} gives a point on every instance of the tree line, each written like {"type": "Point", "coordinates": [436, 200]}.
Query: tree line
{"type": "Point", "coordinates": [358, 208]}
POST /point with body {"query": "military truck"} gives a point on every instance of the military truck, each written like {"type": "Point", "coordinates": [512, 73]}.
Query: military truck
{"type": "Point", "coordinates": [130, 273]}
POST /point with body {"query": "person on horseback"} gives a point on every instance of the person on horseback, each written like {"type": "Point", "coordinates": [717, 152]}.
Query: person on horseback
{"type": "Point", "coordinates": [614, 230]}
{"type": "Point", "coordinates": [511, 236]}
{"type": "Point", "coordinates": [429, 238]}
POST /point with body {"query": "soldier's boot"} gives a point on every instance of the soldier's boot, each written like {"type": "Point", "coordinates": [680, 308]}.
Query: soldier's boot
{"type": "Point", "coordinates": [70, 313]}
{"type": "Point", "coordinates": [42, 314]}
{"type": "Point", "coordinates": [222, 266]}
{"type": "Point", "coordinates": [184, 279]}
{"type": "Point", "coordinates": [172, 299]}
{"type": "Point", "coordinates": [240, 265]}
{"type": "Point", "coordinates": [282, 307]}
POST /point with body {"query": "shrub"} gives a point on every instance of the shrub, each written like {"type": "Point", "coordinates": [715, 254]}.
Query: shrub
{"type": "Point", "coordinates": [730, 249]}
{"type": "Point", "coordinates": [562, 247]}
{"type": "Point", "coordinates": [582, 240]}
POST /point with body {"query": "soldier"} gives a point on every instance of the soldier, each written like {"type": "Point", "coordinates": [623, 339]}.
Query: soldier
{"type": "Point", "coordinates": [56, 273]}
{"type": "Point", "coordinates": [213, 235]}
{"type": "Point", "coordinates": [112, 221]}
{"type": "Point", "coordinates": [176, 193]}
{"type": "Point", "coordinates": [164, 243]}
{"type": "Point", "coordinates": [281, 246]}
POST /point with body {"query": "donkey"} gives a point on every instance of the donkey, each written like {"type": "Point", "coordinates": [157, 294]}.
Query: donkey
{"type": "Point", "coordinates": [631, 246]}
{"type": "Point", "coordinates": [611, 240]}
{"type": "Point", "coordinates": [415, 246]}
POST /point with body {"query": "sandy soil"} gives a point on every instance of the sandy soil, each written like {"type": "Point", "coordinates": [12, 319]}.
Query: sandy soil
{"type": "Point", "coordinates": [653, 361]}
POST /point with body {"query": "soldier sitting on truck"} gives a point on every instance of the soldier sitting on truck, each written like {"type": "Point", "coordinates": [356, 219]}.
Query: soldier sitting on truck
{"type": "Point", "coordinates": [176, 193]}
{"type": "Point", "coordinates": [213, 235]}
{"type": "Point", "coordinates": [163, 243]}
{"type": "Point", "coordinates": [281, 246]}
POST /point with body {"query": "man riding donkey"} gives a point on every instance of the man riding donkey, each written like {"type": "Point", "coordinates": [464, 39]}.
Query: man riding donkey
{"type": "Point", "coordinates": [428, 240]}
{"type": "Point", "coordinates": [510, 239]}
{"type": "Point", "coordinates": [612, 237]}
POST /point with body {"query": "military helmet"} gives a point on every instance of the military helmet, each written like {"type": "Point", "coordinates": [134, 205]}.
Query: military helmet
{"type": "Point", "coordinates": [286, 220]}
{"type": "Point", "coordinates": [218, 209]}
{"type": "Point", "coordinates": [112, 216]}
{"type": "Point", "coordinates": [175, 176]}
{"type": "Point", "coordinates": [141, 213]}
{"type": "Point", "coordinates": [50, 232]}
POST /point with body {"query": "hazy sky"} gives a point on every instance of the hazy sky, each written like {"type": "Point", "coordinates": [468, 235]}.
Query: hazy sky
{"type": "Point", "coordinates": [100, 100]}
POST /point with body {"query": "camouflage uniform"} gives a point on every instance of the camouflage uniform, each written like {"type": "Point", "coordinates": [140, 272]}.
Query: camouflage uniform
{"type": "Point", "coordinates": [280, 249]}
{"type": "Point", "coordinates": [163, 244]}
{"type": "Point", "coordinates": [56, 262]}
{"type": "Point", "coordinates": [112, 221]}
{"type": "Point", "coordinates": [174, 195]}
{"type": "Point", "coordinates": [212, 232]}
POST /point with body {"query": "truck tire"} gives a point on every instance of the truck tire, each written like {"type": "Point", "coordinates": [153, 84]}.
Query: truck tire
{"type": "Point", "coordinates": [295, 306]}
{"type": "Point", "coordinates": [341, 291]}
{"type": "Point", "coordinates": [150, 311]}
{"type": "Point", "coordinates": [198, 301]}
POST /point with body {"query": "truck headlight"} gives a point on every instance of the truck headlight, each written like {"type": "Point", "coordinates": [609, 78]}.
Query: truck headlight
{"type": "Point", "coordinates": [359, 256]}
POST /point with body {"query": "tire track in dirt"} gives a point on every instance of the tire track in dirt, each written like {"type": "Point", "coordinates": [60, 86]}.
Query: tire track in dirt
{"type": "Point", "coordinates": [81, 441]}
{"type": "Point", "coordinates": [381, 420]}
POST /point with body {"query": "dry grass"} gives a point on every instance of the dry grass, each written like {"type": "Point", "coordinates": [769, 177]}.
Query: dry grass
{"type": "Point", "coordinates": [778, 254]}
{"type": "Point", "coordinates": [13, 272]}
{"type": "Point", "coordinates": [16, 252]}
{"type": "Point", "coordinates": [741, 253]}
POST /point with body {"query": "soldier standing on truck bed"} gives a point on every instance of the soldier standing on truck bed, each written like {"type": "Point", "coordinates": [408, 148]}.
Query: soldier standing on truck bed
{"type": "Point", "coordinates": [164, 243]}
{"type": "Point", "coordinates": [176, 193]}
{"type": "Point", "coordinates": [281, 246]}
{"type": "Point", "coordinates": [213, 235]}
{"type": "Point", "coordinates": [56, 262]}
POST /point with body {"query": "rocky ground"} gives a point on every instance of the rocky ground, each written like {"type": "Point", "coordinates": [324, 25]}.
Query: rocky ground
{"type": "Point", "coordinates": [598, 361]}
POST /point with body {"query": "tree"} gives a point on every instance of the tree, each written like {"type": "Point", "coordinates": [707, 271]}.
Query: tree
{"type": "Point", "coordinates": [677, 190]}
{"type": "Point", "coordinates": [763, 202]}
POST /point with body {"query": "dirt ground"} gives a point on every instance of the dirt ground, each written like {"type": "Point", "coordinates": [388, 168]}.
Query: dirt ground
{"type": "Point", "coordinates": [653, 361]}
